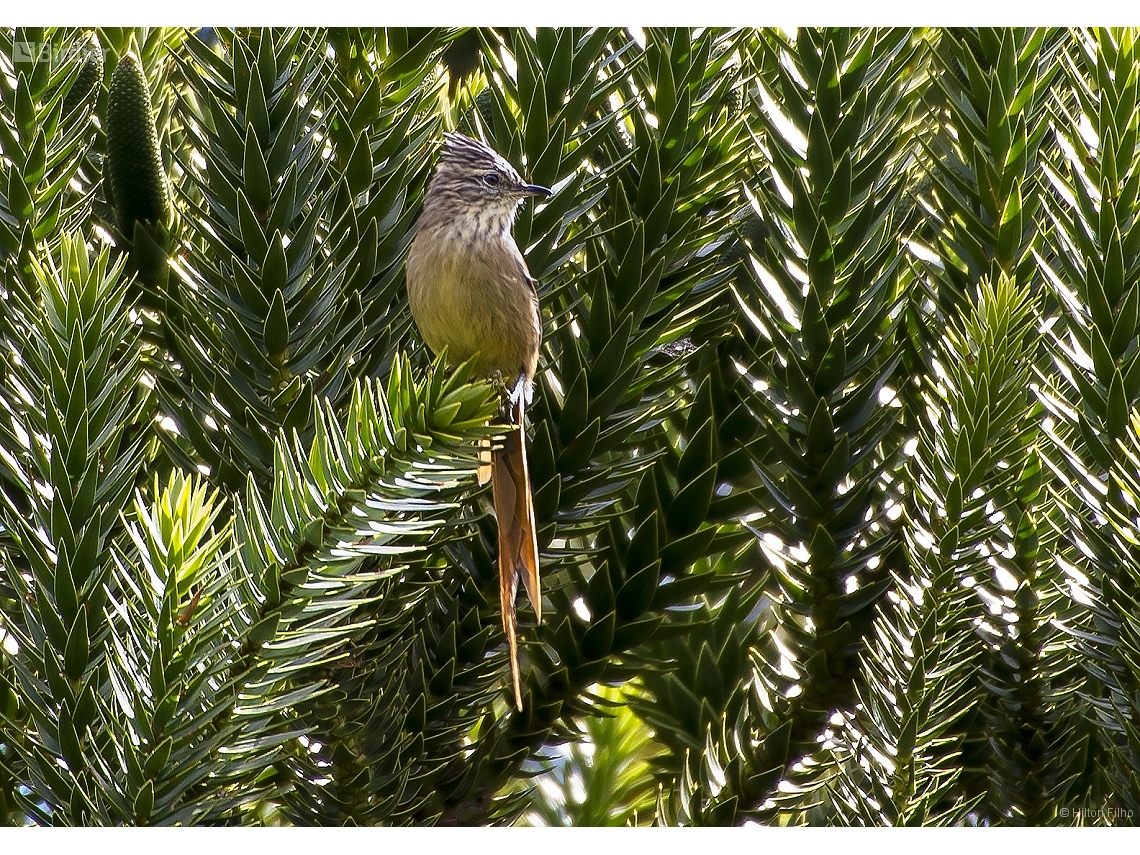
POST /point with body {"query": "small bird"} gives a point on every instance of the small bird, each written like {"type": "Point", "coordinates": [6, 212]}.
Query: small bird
{"type": "Point", "coordinates": [471, 293]}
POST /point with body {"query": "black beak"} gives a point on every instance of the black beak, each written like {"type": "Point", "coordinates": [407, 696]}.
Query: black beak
{"type": "Point", "coordinates": [535, 190]}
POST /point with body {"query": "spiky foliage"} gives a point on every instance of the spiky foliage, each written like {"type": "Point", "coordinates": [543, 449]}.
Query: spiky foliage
{"type": "Point", "coordinates": [821, 297]}
{"type": "Point", "coordinates": [76, 436]}
{"type": "Point", "coordinates": [43, 147]}
{"type": "Point", "coordinates": [992, 93]}
{"type": "Point", "coordinates": [1095, 179]}
{"type": "Point", "coordinates": [965, 466]}
{"type": "Point", "coordinates": [834, 440]}
{"type": "Point", "coordinates": [603, 778]}
{"type": "Point", "coordinates": [986, 221]}
{"type": "Point", "coordinates": [269, 311]}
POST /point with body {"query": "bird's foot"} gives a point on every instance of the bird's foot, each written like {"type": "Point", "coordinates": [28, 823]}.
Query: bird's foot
{"type": "Point", "coordinates": [501, 389]}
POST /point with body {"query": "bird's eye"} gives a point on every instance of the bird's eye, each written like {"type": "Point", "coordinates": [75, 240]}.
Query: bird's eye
{"type": "Point", "coordinates": [492, 179]}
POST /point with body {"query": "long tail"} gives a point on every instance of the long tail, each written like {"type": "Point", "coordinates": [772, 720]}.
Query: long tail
{"type": "Point", "coordinates": [518, 545]}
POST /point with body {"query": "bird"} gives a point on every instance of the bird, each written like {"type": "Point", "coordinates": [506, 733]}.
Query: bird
{"type": "Point", "coordinates": [472, 295]}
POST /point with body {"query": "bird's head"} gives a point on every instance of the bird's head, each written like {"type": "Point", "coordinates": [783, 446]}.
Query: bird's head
{"type": "Point", "coordinates": [471, 175]}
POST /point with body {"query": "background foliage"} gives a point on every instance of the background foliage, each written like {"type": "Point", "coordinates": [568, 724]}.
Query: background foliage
{"type": "Point", "coordinates": [835, 443]}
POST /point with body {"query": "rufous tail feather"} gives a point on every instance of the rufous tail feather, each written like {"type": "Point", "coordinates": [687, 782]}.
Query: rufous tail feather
{"type": "Point", "coordinates": [518, 544]}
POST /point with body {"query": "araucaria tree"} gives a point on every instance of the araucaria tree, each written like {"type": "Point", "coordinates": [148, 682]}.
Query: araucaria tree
{"type": "Point", "coordinates": [835, 439]}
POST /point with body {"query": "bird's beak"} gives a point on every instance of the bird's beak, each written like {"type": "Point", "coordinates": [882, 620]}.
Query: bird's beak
{"type": "Point", "coordinates": [535, 190]}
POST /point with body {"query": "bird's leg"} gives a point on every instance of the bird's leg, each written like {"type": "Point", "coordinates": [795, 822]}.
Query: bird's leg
{"type": "Point", "coordinates": [496, 381]}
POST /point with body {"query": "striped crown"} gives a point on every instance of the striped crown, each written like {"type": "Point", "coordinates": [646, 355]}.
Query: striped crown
{"type": "Point", "coordinates": [464, 152]}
